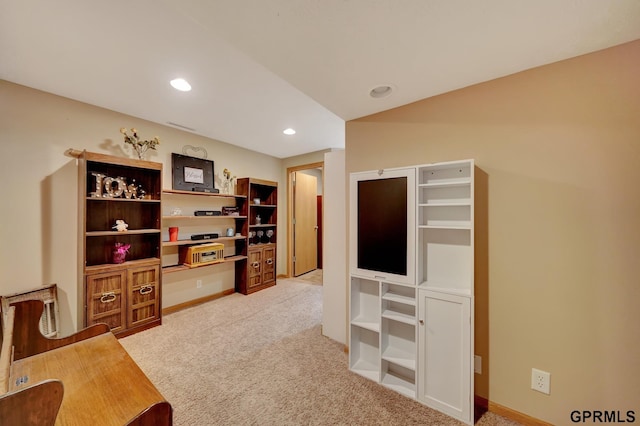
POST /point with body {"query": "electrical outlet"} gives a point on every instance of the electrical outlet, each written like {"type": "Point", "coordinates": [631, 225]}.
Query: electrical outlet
{"type": "Point", "coordinates": [540, 381]}
{"type": "Point", "coordinates": [477, 364]}
{"type": "Point", "coordinates": [199, 284]}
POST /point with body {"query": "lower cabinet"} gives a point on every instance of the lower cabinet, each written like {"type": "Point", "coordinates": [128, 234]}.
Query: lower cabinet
{"type": "Point", "coordinates": [143, 300]}
{"type": "Point", "coordinates": [415, 341]}
{"type": "Point", "coordinates": [126, 298]}
{"type": "Point", "coordinates": [106, 292]}
{"type": "Point", "coordinates": [445, 348]}
{"type": "Point", "coordinates": [261, 269]}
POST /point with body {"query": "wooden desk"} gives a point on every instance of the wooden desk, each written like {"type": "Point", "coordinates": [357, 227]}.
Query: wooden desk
{"type": "Point", "coordinates": [102, 384]}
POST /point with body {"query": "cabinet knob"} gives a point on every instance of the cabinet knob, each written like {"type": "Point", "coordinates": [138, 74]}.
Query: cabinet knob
{"type": "Point", "coordinates": [421, 322]}
{"type": "Point", "coordinates": [256, 265]}
{"type": "Point", "coordinates": [269, 261]}
{"type": "Point", "coordinates": [108, 297]}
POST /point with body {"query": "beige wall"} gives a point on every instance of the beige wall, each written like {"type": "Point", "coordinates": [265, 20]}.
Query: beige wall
{"type": "Point", "coordinates": [560, 146]}
{"type": "Point", "coordinates": [39, 190]}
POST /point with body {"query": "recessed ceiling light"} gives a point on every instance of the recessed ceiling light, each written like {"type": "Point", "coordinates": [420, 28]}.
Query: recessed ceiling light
{"type": "Point", "coordinates": [289, 131]}
{"type": "Point", "coordinates": [181, 84]}
{"type": "Point", "coordinates": [381, 91]}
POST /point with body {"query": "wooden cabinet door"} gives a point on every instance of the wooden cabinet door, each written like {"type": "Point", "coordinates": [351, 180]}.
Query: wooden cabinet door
{"type": "Point", "coordinates": [255, 267]}
{"type": "Point", "coordinates": [269, 264]}
{"type": "Point", "coordinates": [105, 299]}
{"type": "Point", "coordinates": [445, 352]}
{"type": "Point", "coordinates": [144, 300]}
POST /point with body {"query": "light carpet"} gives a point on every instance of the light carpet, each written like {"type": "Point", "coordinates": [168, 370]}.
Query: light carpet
{"type": "Point", "coordinates": [262, 360]}
{"type": "Point", "coordinates": [313, 277]}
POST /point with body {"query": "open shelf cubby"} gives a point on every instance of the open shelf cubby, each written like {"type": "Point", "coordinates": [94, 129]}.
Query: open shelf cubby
{"type": "Point", "coordinates": [365, 305]}
{"type": "Point", "coordinates": [398, 378]}
{"type": "Point", "coordinates": [446, 259]}
{"type": "Point", "coordinates": [364, 352]}
{"type": "Point", "coordinates": [398, 342]}
{"type": "Point", "coordinates": [398, 303]}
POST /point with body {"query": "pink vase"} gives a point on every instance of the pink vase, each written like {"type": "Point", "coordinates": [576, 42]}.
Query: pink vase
{"type": "Point", "coordinates": [119, 257]}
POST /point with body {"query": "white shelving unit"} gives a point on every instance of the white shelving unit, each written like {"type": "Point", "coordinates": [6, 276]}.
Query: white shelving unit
{"type": "Point", "coordinates": [416, 336]}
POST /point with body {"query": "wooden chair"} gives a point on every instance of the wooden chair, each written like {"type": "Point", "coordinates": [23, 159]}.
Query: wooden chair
{"type": "Point", "coordinates": [6, 332]}
{"type": "Point", "coordinates": [27, 338]}
{"type": "Point", "coordinates": [148, 417]}
{"type": "Point", "coordinates": [24, 346]}
{"type": "Point", "coordinates": [36, 405]}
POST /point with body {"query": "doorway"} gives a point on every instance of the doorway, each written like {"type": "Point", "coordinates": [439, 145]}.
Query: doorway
{"type": "Point", "coordinates": [304, 192]}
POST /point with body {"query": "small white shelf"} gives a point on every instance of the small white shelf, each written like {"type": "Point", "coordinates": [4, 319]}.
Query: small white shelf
{"type": "Point", "coordinates": [445, 174]}
{"type": "Point", "coordinates": [452, 214]}
{"type": "Point", "coordinates": [448, 225]}
{"type": "Point", "coordinates": [398, 382]}
{"type": "Point", "coordinates": [367, 324]}
{"type": "Point", "coordinates": [446, 184]}
{"type": "Point", "coordinates": [445, 203]}
{"type": "Point", "coordinates": [400, 357]}
{"type": "Point", "coordinates": [405, 295]}
{"type": "Point", "coordinates": [399, 316]}
{"type": "Point", "coordinates": [399, 303]}
{"type": "Point", "coordinates": [399, 298]}
{"type": "Point", "coordinates": [366, 369]}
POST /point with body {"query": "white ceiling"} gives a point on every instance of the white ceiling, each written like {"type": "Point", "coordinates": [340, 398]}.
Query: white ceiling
{"type": "Point", "coordinates": [259, 66]}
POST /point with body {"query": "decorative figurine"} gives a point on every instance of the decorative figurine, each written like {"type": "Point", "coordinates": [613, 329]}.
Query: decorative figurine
{"type": "Point", "coordinates": [120, 226]}
{"type": "Point", "coordinates": [227, 182]}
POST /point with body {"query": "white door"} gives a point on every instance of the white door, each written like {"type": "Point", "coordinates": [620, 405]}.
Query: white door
{"type": "Point", "coordinates": [445, 354]}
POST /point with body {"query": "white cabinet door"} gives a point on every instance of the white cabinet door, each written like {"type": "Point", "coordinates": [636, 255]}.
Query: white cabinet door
{"type": "Point", "coordinates": [446, 353]}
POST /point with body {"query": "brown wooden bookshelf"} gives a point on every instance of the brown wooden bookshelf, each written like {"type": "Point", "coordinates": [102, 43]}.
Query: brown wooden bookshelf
{"type": "Point", "coordinates": [127, 295]}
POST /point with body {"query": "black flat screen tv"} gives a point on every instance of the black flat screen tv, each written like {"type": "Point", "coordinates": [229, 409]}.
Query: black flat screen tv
{"type": "Point", "coordinates": [382, 225]}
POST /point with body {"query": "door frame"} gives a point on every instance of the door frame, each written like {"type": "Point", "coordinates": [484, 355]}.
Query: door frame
{"type": "Point", "coordinates": [290, 171]}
